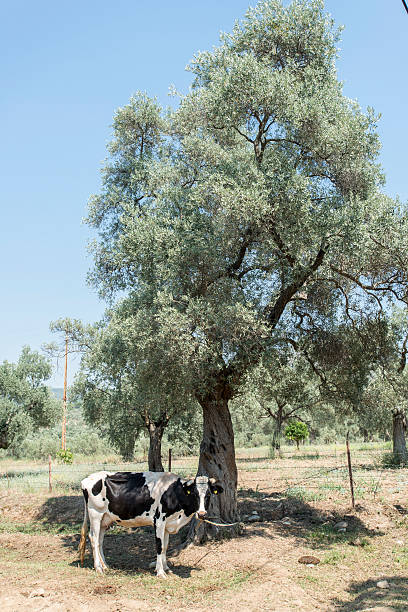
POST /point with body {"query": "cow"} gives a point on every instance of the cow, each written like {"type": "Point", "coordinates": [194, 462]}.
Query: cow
{"type": "Point", "coordinates": [133, 499]}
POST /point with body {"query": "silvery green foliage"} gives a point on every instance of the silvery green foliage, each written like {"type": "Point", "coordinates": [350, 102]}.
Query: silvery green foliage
{"type": "Point", "coordinates": [262, 184]}
{"type": "Point", "coordinates": [25, 401]}
{"type": "Point", "coordinates": [122, 391]}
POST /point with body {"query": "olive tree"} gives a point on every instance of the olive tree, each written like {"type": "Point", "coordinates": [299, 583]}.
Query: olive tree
{"type": "Point", "coordinates": [213, 218]}
{"type": "Point", "coordinates": [26, 403]}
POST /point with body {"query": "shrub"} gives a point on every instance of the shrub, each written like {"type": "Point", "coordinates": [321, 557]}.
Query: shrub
{"type": "Point", "coordinates": [392, 460]}
{"type": "Point", "coordinates": [297, 431]}
{"type": "Point", "coordinates": [65, 456]}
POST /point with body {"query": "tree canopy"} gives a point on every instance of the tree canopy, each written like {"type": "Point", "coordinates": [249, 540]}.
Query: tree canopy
{"type": "Point", "coordinates": [25, 401]}
{"type": "Point", "coordinates": [261, 189]}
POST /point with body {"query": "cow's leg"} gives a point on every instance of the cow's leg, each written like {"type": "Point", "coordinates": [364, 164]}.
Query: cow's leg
{"type": "Point", "coordinates": [95, 519]}
{"type": "Point", "coordinates": [101, 536]}
{"type": "Point", "coordinates": [159, 531]}
{"type": "Point", "coordinates": [165, 545]}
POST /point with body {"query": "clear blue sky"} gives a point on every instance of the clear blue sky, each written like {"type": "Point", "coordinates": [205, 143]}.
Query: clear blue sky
{"type": "Point", "coordinates": [65, 68]}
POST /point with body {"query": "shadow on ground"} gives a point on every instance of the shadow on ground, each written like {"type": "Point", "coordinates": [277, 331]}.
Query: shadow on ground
{"type": "Point", "coordinates": [367, 596]}
{"type": "Point", "coordinates": [64, 510]}
{"type": "Point", "coordinates": [132, 550]}
{"type": "Point", "coordinates": [303, 520]}
{"type": "Point", "coordinates": [127, 551]}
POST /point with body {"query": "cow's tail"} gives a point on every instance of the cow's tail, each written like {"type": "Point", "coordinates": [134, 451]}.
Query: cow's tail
{"type": "Point", "coordinates": [84, 533]}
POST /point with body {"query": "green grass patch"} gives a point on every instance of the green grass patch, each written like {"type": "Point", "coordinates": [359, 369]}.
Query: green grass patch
{"type": "Point", "coordinates": [38, 527]}
{"type": "Point", "coordinates": [333, 557]}
{"type": "Point", "coordinates": [303, 494]}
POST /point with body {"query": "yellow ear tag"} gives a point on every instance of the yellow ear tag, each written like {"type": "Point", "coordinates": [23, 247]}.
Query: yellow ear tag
{"type": "Point", "coordinates": [215, 492]}
{"type": "Point", "coordinates": [188, 492]}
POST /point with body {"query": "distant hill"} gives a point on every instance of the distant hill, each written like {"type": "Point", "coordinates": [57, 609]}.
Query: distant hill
{"type": "Point", "coordinates": [57, 391]}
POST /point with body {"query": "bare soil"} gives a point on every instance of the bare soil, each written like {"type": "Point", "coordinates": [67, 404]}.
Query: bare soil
{"type": "Point", "coordinates": [259, 570]}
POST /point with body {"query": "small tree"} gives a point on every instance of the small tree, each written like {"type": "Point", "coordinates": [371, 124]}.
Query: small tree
{"type": "Point", "coordinates": [297, 432]}
{"type": "Point", "coordinates": [25, 401]}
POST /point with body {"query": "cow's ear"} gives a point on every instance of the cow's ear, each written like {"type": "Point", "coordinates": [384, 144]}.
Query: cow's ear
{"type": "Point", "coordinates": [215, 486]}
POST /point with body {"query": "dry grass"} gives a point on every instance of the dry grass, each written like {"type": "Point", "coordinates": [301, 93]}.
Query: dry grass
{"type": "Point", "coordinates": [259, 570]}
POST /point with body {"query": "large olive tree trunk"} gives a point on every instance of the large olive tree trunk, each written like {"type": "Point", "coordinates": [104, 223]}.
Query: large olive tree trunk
{"type": "Point", "coordinates": [155, 442]}
{"type": "Point", "coordinates": [217, 460]}
{"type": "Point", "coordinates": [399, 446]}
{"type": "Point", "coordinates": [217, 455]}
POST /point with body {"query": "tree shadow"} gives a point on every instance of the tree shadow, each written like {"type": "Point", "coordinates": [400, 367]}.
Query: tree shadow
{"type": "Point", "coordinates": [302, 520]}
{"type": "Point", "coordinates": [132, 550]}
{"type": "Point", "coordinates": [64, 510]}
{"type": "Point", "coordinates": [367, 595]}
{"type": "Point", "coordinates": [126, 550]}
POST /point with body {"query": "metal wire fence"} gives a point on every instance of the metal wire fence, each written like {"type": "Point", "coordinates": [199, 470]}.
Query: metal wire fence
{"type": "Point", "coordinates": [312, 475]}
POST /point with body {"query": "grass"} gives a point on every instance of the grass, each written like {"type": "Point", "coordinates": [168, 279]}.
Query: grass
{"type": "Point", "coordinates": [41, 545]}
{"type": "Point", "coordinates": [304, 494]}
{"type": "Point", "coordinates": [333, 557]}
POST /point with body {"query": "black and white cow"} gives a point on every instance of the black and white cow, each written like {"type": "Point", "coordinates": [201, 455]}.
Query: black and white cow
{"type": "Point", "coordinates": [133, 499]}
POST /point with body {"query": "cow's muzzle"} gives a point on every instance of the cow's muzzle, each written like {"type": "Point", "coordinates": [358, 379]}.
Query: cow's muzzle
{"type": "Point", "coordinates": [201, 515]}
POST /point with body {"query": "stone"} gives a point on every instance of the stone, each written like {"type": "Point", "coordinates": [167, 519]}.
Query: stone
{"type": "Point", "coordinates": [383, 584]}
{"type": "Point", "coordinates": [254, 518]}
{"type": "Point", "coordinates": [356, 542]}
{"type": "Point", "coordinates": [286, 521]}
{"type": "Point", "coordinates": [37, 593]}
{"type": "Point", "coordinates": [341, 525]}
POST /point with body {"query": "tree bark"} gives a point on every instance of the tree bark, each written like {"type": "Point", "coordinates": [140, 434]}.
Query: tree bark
{"type": "Point", "coordinates": [127, 446]}
{"type": "Point", "coordinates": [399, 446]}
{"type": "Point", "coordinates": [217, 456]}
{"type": "Point", "coordinates": [4, 438]}
{"type": "Point", "coordinates": [155, 438]}
{"type": "Point", "coordinates": [277, 432]}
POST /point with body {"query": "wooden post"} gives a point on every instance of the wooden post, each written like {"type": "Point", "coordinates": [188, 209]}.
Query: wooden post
{"type": "Point", "coordinates": [64, 400]}
{"type": "Point", "coordinates": [49, 474]}
{"type": "Point", "coordinates": [169, 459]}
{"type": "Point", "coordinates": [350, 471]}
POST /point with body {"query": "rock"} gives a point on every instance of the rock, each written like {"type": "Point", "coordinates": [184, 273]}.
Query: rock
{"type": "Point", "coordinates": [309, 560]}
{"type": "Point", "coordinates": [37, 593]}
{"type": "Point", "coordinates": [286, 521]}
{"type": "Point", "coordinates": [356, 542]}
{"type": "Point", "coordinates": [341, 525]}
{"type": "Point", "coordinates": [383, 584]}
{"type": "Point", "coordinates": [341, 530]}
{"type": "Point", "coordinates": [277, 512]}
{"type": "Point", "coordinates": [254, 512]}
{"type": "Point", "coordinates": [254, 518]}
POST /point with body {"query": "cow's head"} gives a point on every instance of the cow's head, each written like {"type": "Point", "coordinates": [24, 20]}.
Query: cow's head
{"type": "Point", "coordinates": [200, 490]}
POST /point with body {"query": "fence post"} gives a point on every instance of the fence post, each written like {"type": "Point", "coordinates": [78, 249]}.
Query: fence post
{"type": "Point", "coordinates": [350, 471]}
{"type": "Point", "coordinates": [49, 474]}
{"type": "Point", "coordinates": [169, 459]}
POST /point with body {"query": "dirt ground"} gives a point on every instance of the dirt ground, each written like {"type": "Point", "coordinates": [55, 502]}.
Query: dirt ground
{"type": "Point", "coordinates": [259, 570]}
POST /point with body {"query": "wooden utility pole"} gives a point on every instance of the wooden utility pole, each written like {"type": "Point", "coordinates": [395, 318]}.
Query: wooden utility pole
{"type": "Point", "coordinates": [64, 400]}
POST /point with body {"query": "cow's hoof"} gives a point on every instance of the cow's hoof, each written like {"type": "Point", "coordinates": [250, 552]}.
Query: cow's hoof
{"type": "Point", "coordinates": [99, 570]}
{"type": "Point", "coordinates": [161, 575]}
{"type": "Point", "coordinates": [168, 570]}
